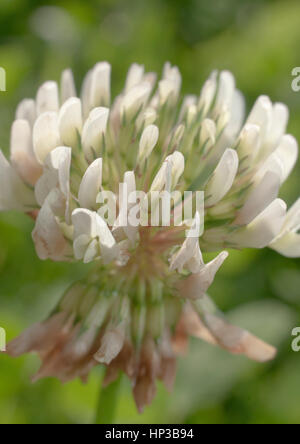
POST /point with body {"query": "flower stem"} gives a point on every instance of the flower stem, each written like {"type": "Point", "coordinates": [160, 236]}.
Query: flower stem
{"type": "Point", "coordinates": [107, 402]}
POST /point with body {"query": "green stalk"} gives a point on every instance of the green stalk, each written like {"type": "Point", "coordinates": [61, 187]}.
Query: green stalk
{"type": "Point", "coordinates": [107, 401]}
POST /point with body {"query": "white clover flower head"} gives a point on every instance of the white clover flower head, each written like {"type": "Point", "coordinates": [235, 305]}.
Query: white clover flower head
{"type": "Point", "coordinates": [148, 289]}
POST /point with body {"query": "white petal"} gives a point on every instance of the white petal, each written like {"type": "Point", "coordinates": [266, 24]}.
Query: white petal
{"type": "Point", "coordinates": [45, 135]}
{"type": "Point", "coordinates": [236, 118]}
{"type": "Point", "coordinates": [288, 245]}
{"type": "Point", "coordinates": [27, 110]}
{"type": "Point", "coordinates": [177, 136]}
{"type": "Point", "coordinates": [188, 101]}
{"type": "Point", "coordinates": [124, 206]}
{"type": "Point", "coordinates": [64, 155]}
{"type": "Point", "coordinates": [189, 256]}
{"type": "Point", "coordinates": [272, 164]}
{"type": "Point", "coordinates": [48, 236]}
{"type": "Point", "coordinates": [46, 183]}
{"type": "Point", "coordinates": [111, 345]}
{"type": "Point", "coordinates": [56, 175]}
{"type": "Point", "coordinates": [195, 263]}
{"type": "Point", "coordinates": [128, 186]}
{"type": "Point", "coordinates": [292, 221]}
{"type": "Point", "coordinates": [163, 178]}
{"type": "Point", "coordinates": [80, 246]}
{"type": "Point", "coordinates": [260, 197]}
{"type": "Point", "coordinates": [148, 141]}
{"type": "Point", "coordinates": [282, 160]}
{"type": "Point", "coordinates": [47, 98]}
{"type": "Point", "coordinates": [129, 179]}
{"type": "Point", "coordinates": [106, 239]}
{"type": "Point", "coordinates": [222, 178]}
{"type": "Point", "coordinates": [67, 86]}
{"type": "Point", "coordinates": [207, 94]}
{"type": "Point", "coordinates": [134, 100]}
{"type": "Point", "coordinates": [92, 252]}
{"type": "Point", "coordinates": [14, 194]}
{"type": "Point", "coordinates": [90, 185]}
{"type": "Point", "coordinates": [249, 144]}
{"type": "Point", "coordinates": [100, 85]}
{"type": "Point", "coordinates": [85, 94]}
{"type": "Point", "coordinates": [90, 223]}
{"type": "Point", "coordinates": [179, 259]}
{"type": "Point", "coordinates": [208, 132]}
{"type": "Point", "coordinates": [134, 76]}
{"type": "Point", "coordinates": [172, 74]}
{"type": "Point", "coordinates": [287, 152]}
{"type": "Point", "coordinates": [167, 88]}
{"type": "Point", "coordinates": [84, 223]}
{"type": "Point", "coordinates": [261, 115]}
{"type": "Point", "coordinates": [237, 112]}
{"type": "Point", "coordinates": [93, 132]}
{"type": "Point", "coordinates": [146, 118]}
{"type": "Point", "coordinates": [225, 90]}
{"type": "Point", "coordinates": [150, 77]}
{"type": "Point", "coordinates": [287, 242]}
{"type": "Point", "coordinates": [280, 116]}
{"type": "Point", "coordinates": [196, 285]}
{"type": "Point", "coordinates": [70, 121]}
{"type": "Point", "coordinates": [177, 163]}
{"type": "Point", "coordinates": [21, 152]}
{"type": "Point", "coordinates": [264, 228]}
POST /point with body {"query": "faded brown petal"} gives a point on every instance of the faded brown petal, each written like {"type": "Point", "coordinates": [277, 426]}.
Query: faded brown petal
{"type": "Point", "coordinates": [239, 341]}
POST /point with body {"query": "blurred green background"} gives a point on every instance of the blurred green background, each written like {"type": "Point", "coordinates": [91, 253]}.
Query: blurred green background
{"type": "Point", "coordinates": [260, 42]}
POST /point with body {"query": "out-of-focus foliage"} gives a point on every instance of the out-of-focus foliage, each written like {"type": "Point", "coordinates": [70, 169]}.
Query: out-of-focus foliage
{"type": "Point", "coordinates": [260, 42]}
